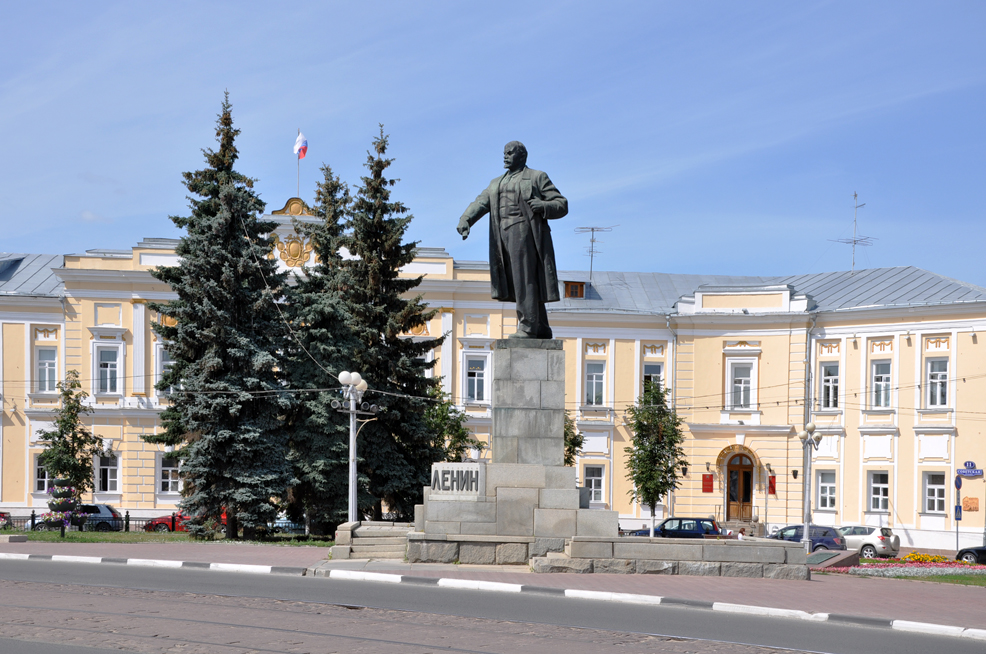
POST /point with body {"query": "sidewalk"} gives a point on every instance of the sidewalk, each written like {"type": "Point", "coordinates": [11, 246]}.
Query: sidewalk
{"type": "Point", "coordinates": [886, 599]}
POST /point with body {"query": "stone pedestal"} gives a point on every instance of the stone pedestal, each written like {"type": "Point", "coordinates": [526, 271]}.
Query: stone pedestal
{"type": "Point", "coordinates": [525, 497]}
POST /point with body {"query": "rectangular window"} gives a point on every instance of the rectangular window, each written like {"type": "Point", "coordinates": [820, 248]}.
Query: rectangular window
{"type": "Point", "coordinates": [741, 385]}
{"type": "Point", "coordinates": [881, 384]}
{"type": "Point", "coordinates": [830, 385]}
{"type": "Point", "coordinates": [594, 480]}
{"type": "Point", "coordinates": [476, 379]}
{"type": "Point", "coordinates": [575, 289]}
{"type": "Point", "coordinates": [107, 481]}
{"type": "Point", "coordinates": [934, 492]}
{"type": "Point", "coordinates": [169, 476]}
{"type": "Point", "coordinates": [879, 491]}
{"type": "Point", "coordinates": [653, 374]}
{"type": "Point", "coordinates": [166, 363]}
{"type": "Point", "coordinates": [108, 370]}
{"type": "Point", "coordinates": [594, 383]}
{"type": "Point", "coordinates": [826, 489]}
{"type": "Point", "coordinates": [938, 383]}
{"type": "Point", "coordinates": [40, 477]}
{"type": "Point", "coordinates": [47, 365]}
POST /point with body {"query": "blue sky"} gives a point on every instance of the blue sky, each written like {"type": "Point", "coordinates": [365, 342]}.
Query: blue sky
{"type": "Point", "coordinates": [720, 137]}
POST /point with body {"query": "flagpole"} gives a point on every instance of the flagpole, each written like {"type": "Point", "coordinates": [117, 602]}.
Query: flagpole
{"type": "Point", "coordinates": [298, 157]}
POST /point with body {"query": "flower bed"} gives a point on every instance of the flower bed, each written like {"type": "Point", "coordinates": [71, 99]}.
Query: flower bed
{"type": "Point", "coordinates": [914, 564]}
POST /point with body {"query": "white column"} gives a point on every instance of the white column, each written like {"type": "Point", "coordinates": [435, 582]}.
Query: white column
{"type": "Point", "coordinates": [139, 356]}
{"type": "Point", "coordinates": [447, 349]}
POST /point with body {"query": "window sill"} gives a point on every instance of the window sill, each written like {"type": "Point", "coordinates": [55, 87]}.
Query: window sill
{"type": "Point", "coordinates": [43, 395]}
{"type": "Point", "coordinates": [934, 514]}
{"type": "Point", "coordinates": [882, 512]}
{"type": "Point", "coordinates": [827, 412]}
{"type": "Point", "coordinates": [476, 403]}
{"type": "Point", "coordinates": [879, 412]}
{"type": "Point", "coordinates": [934, 411]}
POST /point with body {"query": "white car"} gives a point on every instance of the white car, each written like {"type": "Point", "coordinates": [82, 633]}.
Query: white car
{"type": "Point", "coordinates": [871, 542]}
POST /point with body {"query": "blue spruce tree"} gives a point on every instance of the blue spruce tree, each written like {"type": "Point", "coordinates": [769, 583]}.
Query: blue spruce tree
{"type": "Point", "coordinates": [318, 352]}
{"type": "Point", "coordinates": [396, 450]}
{"type": "Point", "coordinates": [227, 402]}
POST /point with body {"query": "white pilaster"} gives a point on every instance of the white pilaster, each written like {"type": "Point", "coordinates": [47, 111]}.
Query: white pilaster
{"type": "Point", "coordinates": [139, 386]}
{"type": "Point", "coordinates": [447, 355]}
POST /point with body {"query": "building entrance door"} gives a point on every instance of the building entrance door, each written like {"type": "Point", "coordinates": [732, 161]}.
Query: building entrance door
{"type": "Point", "coordinates": [739, 475]}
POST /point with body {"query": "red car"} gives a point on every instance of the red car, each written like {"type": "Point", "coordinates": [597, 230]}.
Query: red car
{"type": "Point", "coordinates": [164, 523]}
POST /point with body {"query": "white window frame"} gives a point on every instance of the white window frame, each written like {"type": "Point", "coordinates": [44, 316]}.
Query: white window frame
{"type": "Point", "coordinates": [827, 491]}
{"type": "Point", "coordinates": [936, 493]}
{"type": "Point", "coordinates": [878, 491]}
{"type": "Point", "coordinates": [829, 386]}
{"type": "Point", "coordinates": [47, 478]}
{"type": "Point", "coordinates": [660, 375]}
{"type": "Point", "coordinates": [886, 387]}
{"type": "Point", "coordinates": [120, 369]}
{"type": "Point", "coordinates": [159, 353]}
{"type": "Point", "coordinates": [731, 364]}
{"type": "Point", "coordinates": [41, 378]}
{"type": "Point", "coordinates": [173, 478]}
{"type": "Point", "coordinates": [601, 382]}
{"type": "Point", "coordinates": [597, 484]}
{"type": "Point", "coordinates": [114, 478]}
{"type": "Point", "coordinates": [487, 385]}
{"type": "Point", "coordinates": [937, 383]}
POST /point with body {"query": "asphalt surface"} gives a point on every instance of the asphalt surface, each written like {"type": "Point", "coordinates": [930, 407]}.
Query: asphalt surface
{"type": "Point", "coordinates": [156, 610]}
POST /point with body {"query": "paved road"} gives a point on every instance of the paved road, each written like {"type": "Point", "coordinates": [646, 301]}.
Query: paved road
{"type": "Point", "coordinates": [156, 610]}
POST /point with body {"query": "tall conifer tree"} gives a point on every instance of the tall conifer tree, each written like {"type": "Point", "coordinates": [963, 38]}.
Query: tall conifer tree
{"type": "Point", "coordinates": [397, 449]}
{"type": "Point", "coordinates": [319, 351]}
{"type": "Point", "coordinates": [226, 407]}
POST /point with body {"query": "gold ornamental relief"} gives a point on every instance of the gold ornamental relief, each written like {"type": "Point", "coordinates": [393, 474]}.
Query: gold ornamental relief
{"type": "Point", "coordinates": [293, 207]}
{"type": "Point", "coordinates": [294, 250]}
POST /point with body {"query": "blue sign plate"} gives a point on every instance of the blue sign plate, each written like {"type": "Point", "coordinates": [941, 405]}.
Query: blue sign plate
{"type": "Point", "coordinates": [967, 472]}
{"type": "Point", "coordinates": [970, 464]}
{"type": "Point", "coordinates": [958, 512]}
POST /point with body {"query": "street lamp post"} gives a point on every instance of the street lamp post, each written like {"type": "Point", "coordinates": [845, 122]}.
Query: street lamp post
{"type": "Point", "coordinates": [809, 441]}
{"type": "Point", "coordinates": [353, 388]}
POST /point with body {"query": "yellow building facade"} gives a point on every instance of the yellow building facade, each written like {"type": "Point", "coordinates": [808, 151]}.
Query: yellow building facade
{"type": "Point", "coordinates": [887, 363]}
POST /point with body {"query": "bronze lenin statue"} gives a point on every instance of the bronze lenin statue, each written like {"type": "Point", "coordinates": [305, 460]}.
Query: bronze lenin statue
{"type": "Point", "coordinates": [522, 259]}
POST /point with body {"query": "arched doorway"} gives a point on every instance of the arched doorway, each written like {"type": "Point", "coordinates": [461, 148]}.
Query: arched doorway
{"type": "Point", "coordinates": [739, 488]}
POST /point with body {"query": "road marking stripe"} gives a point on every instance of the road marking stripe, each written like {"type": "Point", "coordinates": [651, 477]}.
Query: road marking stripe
{"type": "Point", "coordinates": [978, 634]}
{"type": "Point", "coordinates": [629, 598]}
{"type": "Point", "coordinates": [77, 559]}
{"type": "Point", "coordinates": [927, 628]}
{"type": "Point", "coordinates": [359, 575]}
{"type": "Point", "coordinates": [761, 610]}
{"type": "Point", "coordinates": [154, 563]}
{"type": "Point", "coordinates": [589, 594]}
{"type": "Point", "coordinates": [472, 584]}
{"type": "Point", "coordinates": [240, 567]}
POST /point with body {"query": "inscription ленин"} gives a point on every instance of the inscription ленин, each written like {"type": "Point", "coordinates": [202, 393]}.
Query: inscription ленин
{"type": "Point", "coordinates": [455, 480]}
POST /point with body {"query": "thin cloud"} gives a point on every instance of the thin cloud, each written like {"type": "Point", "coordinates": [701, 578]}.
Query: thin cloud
{"type": "Point", "coordinates": [90, 217]}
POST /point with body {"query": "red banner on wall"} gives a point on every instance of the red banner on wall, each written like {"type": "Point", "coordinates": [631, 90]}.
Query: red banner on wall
{"type": "Point", "coordinates": [772, 485]}
{"type": "Point", "coordinates": [707, 483]}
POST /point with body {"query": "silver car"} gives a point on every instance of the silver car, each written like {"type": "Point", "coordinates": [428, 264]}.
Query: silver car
{"type": "Point", "coordinates": [871, 542]}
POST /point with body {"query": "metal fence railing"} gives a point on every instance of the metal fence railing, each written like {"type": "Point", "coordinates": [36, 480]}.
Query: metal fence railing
{"type": "Point", "coordinates": [34, 522]}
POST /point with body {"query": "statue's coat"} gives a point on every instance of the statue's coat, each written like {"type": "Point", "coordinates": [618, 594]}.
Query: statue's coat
{"type": "Point", "coordinates": [533, 184]}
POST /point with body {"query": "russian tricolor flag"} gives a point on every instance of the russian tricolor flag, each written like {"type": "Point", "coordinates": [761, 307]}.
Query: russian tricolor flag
{"type": "Point", "coordinates": [301, 146]}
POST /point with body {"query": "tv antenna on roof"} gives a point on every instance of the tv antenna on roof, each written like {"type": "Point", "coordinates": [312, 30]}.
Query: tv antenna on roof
{"type": "Point", "coordinates": [855, 240]}
{"type": "Point", "coordinates": [592, 251]}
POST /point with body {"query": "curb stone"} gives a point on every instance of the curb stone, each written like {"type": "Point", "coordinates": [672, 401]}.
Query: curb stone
{"type": "Point", "coordinates": [500, 587]}
{"type": "Point", "coordinates": [630, 598]}
{"type": "Point", "coordinates": [160, 563]}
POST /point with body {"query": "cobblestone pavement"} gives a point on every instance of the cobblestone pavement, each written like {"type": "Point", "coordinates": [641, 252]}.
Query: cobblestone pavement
{"type": "Point", "coordinates": [169, 622]}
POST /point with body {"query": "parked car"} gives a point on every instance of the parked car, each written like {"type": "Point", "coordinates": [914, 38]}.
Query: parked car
{"type": "Point", "coordinates": [164, 523]}
{"type": "Point", "coordinates": [682, 528]}
{"type": "Point", "coordinates": [822, 538]}
{"type": "Point", "coordinates": [871, 542]}
{"type": "Point", "coordinates": [99, 517]}
{"type": "Point", "coordinates": [972, 555]}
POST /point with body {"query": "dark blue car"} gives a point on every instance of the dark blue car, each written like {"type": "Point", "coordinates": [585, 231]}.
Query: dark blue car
{"type": "Point", "coordinates": [682, 528]}
{"type": "Point", "coordinates": [822, 538]}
